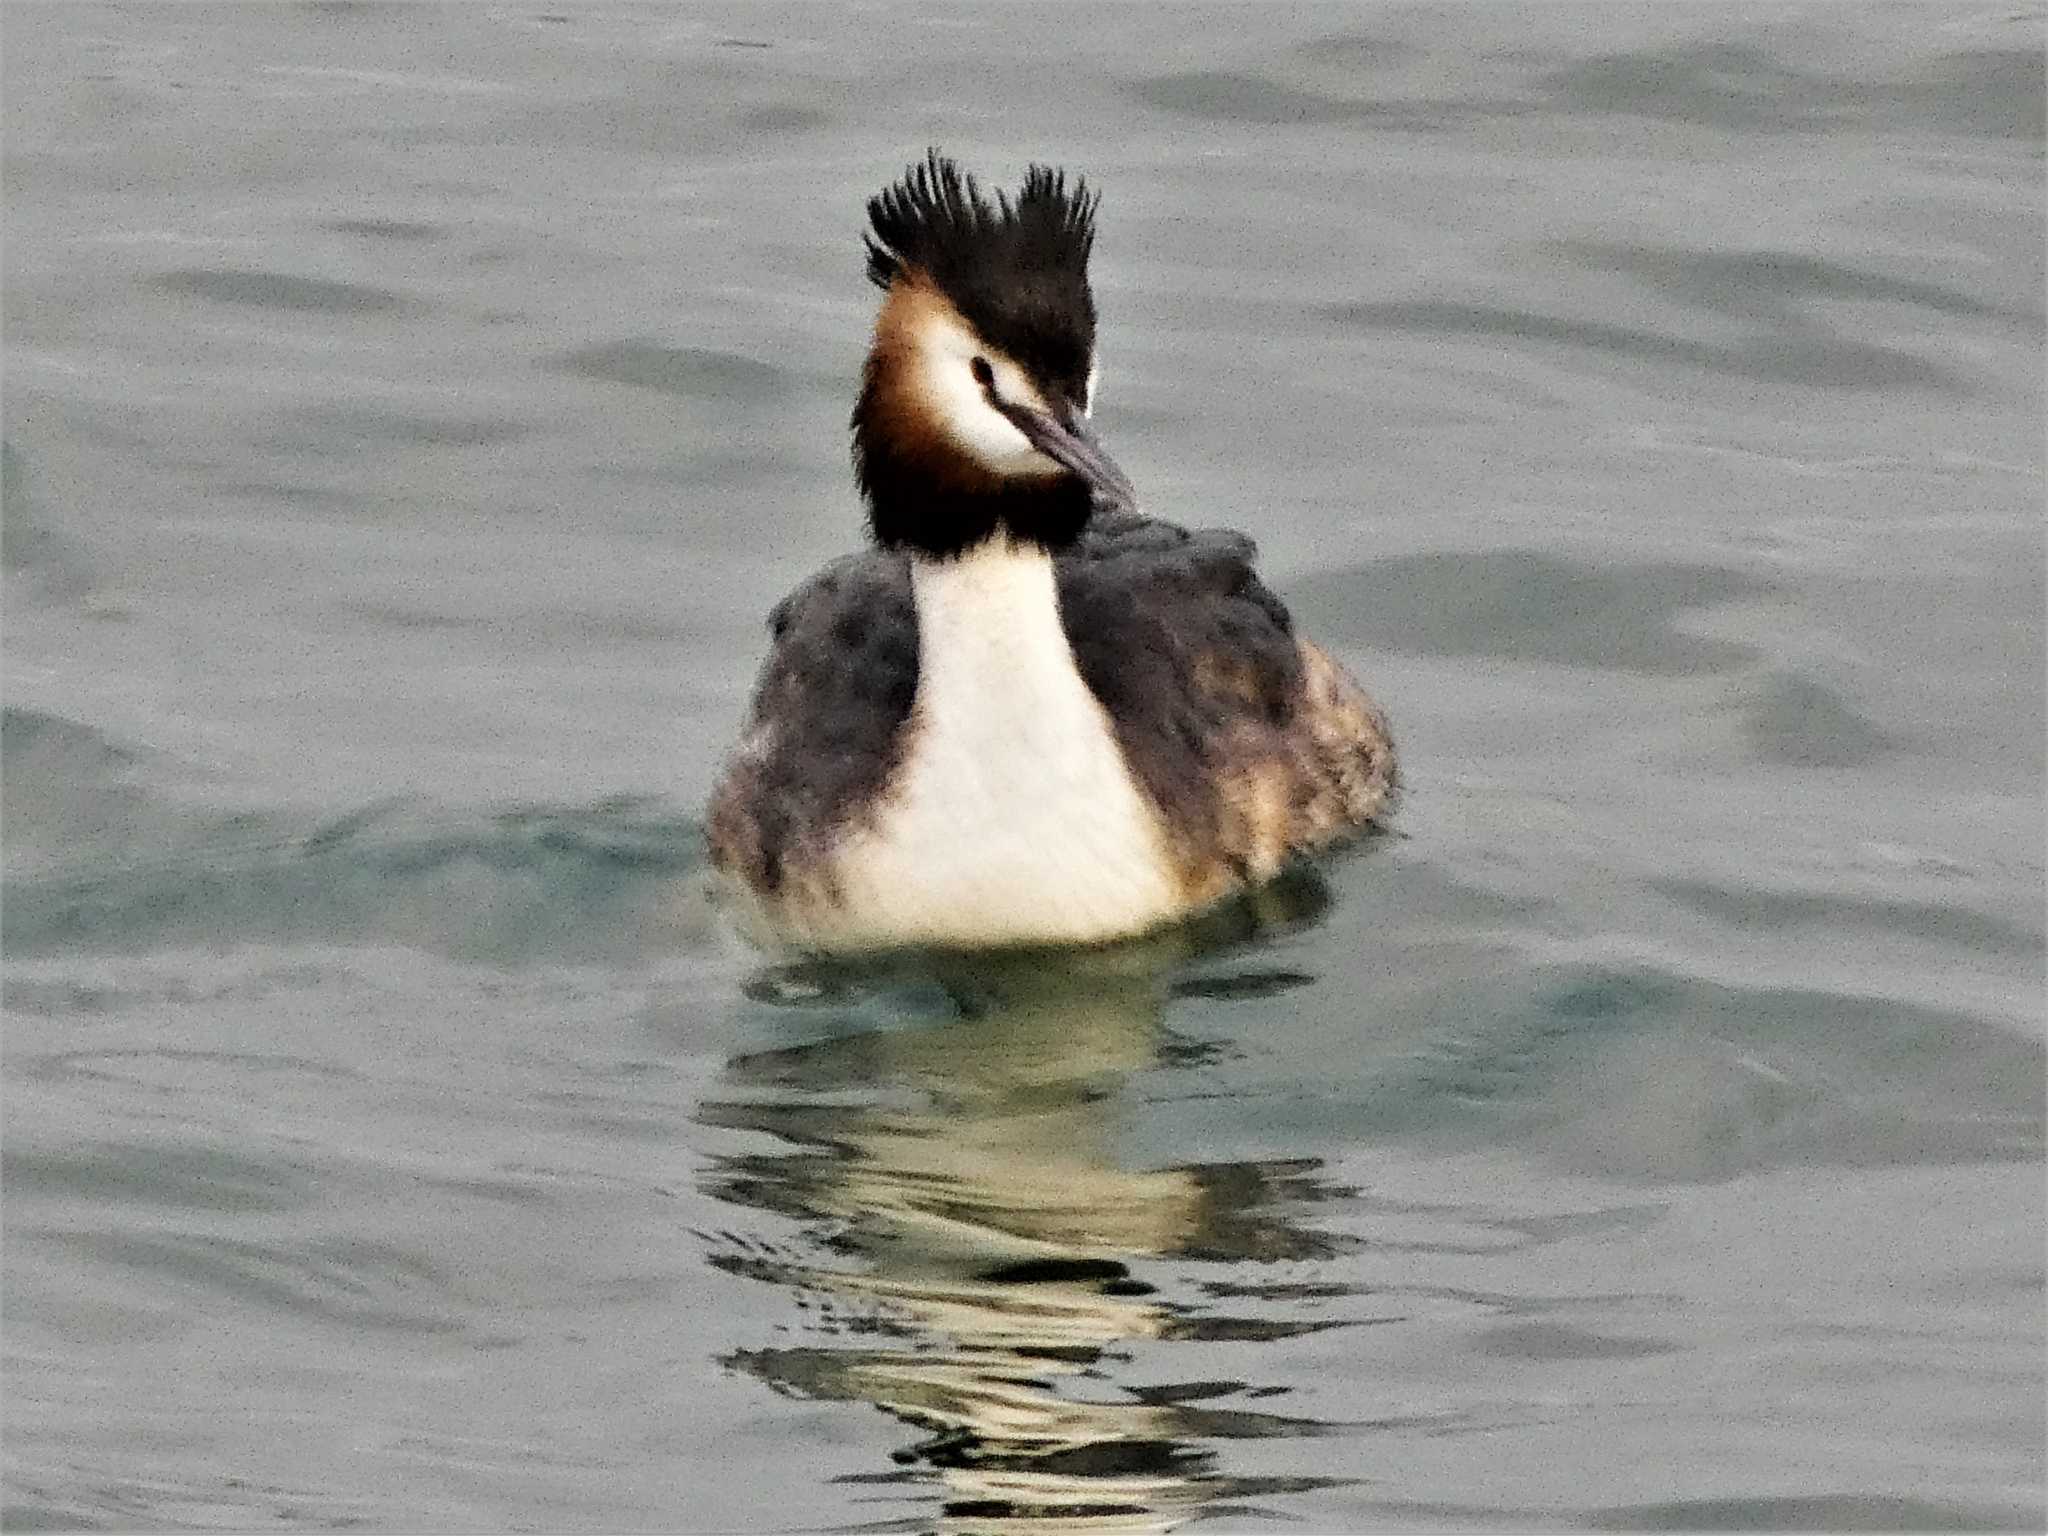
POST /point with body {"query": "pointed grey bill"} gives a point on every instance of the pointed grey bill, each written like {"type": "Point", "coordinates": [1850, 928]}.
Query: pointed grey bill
{"type": "Point", "coordinates": [1071, 445]}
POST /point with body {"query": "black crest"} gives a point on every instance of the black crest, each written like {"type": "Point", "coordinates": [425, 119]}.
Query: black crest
{"type": "Point", "coordinates": [1016, 268]}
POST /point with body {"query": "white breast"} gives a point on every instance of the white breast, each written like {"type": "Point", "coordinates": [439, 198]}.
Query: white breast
{"type": "Point", "coordinates": [1013, 817]}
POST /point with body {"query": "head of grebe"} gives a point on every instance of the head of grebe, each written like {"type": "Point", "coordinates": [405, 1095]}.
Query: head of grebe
{"type": "Point", "coordinates": [972, 422]}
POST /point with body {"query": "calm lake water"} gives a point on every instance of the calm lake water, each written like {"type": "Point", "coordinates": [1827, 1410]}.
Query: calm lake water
{"type": "Point", "coordinates": [411, 411]}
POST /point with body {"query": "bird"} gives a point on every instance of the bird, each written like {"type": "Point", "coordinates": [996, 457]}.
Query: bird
{"type": "Point", "coordinates": [1026, 713]}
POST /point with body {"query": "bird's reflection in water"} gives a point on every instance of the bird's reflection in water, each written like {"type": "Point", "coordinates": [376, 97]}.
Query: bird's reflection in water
{"type": "Point", "coordinates": [963, 1175]}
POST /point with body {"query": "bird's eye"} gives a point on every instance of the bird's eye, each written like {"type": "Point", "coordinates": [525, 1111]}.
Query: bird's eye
{"type": "Point", "coordinates": [984, 375]}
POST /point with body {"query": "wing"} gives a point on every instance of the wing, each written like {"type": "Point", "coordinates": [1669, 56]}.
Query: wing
{"type": "Point", "coordinates": [827, 715]}
{"type": "Point", "coordinates": [1252, 742]}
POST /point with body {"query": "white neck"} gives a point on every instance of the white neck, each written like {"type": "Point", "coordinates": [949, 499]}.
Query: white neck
{"type": "Point", "coordinates": [1014, 816]}
{"type": "Point", "coordinates": [992, 658]}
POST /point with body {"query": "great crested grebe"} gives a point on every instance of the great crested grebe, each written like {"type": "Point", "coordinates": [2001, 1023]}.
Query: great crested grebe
{"type": "Point", "coordinates": [1027, 715]}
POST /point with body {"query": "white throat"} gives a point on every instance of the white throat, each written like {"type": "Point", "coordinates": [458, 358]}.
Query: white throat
{"type": "Point", "coordinates": [1013, 817]}
{"type": "Point", "coordinates": [994, 666]}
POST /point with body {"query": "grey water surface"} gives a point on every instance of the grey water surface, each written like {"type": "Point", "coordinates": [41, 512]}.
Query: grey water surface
{"type": "Point", "coordinates": [411, 412]}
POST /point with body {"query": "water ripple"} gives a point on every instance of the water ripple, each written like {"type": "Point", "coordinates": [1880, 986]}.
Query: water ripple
{"type": "Point", "coordinates": [537, 882]}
